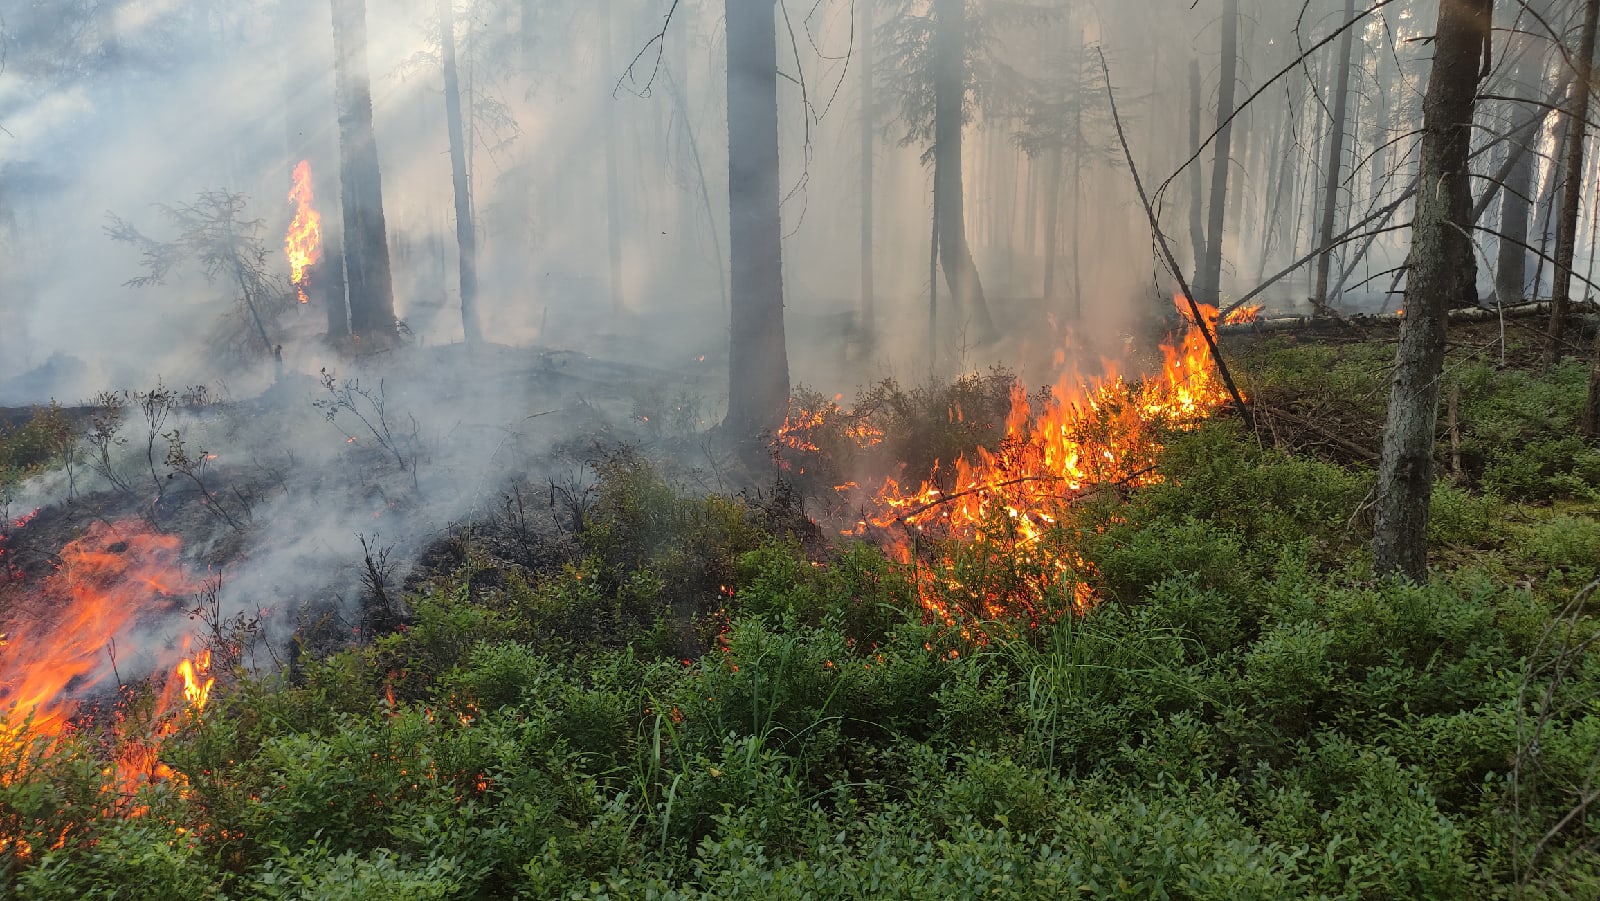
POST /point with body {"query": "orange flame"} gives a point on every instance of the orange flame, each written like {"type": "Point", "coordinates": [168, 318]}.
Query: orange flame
{"type": "Point", "coordinates": [1003, 504]}
{"type": "Point", "coordinates": [63, 640]}
{"type": "Point", "coordinates": [303, 244]}
{"type": "Point", "coordinates": [1245, 314]}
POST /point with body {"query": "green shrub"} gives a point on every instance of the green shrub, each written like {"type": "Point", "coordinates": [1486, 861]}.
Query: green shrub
{"type": "Point", "coordinates": [140, 859]}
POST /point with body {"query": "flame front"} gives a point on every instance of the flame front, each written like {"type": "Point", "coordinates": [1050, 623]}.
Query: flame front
{"type": "Point", "coordinates": [993, 522]}
{"type": "Point", "coordinates": [73, 635]}
{"type": "Point", "coordinates": [303, 243]}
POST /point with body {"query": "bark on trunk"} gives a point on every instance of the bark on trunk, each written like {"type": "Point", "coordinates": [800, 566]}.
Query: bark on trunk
{"type": "Point", "coordinates": [758, 365]}
{"type": "Point", "coordinates": [960, 271]}
{"type": "Point", "coordinates": [1443, 269]}
{"type": "Point", "coordinates": [1330, 190]}
{"type": "Point", "coordinates": [466, 237]}
{"type": "Point", "coordinates": [1567, 231]}
{"type": "Point", "coordinates": [329, 275]}
{"type": "Point", "coordinates": [366, 246]}
{"type": "Point", "coordinates": [1210, 290]}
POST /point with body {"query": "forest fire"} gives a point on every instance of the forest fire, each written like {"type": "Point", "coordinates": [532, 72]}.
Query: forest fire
{"type": "Point", "coordinates": [61, 644]}
{"type": "Point", "coordinates": [1243, 315]}
{"type": "Point", "coordinates": [303, 242]}
{"type": "Point", "coordinates": [995, 521]}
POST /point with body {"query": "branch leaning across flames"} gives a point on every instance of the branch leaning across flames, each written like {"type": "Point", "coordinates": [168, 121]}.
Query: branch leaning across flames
{"type": "Point", "coordinates": [60, 645]}
{"type": "Point", "coordinates": [303, 242]}
{"type": "Point", "coordinates": [980, 535]}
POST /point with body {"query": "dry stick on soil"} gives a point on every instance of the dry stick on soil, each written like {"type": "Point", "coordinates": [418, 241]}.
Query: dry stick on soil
{"type": "Point", "coordinates": [1362, 452]}
{"type": "Point", "coordinates": [1171, 261]}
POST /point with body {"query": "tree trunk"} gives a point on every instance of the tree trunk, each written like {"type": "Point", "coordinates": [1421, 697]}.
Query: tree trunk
{"type": "Point", "coordinates": [1511, 269]}
{"type": "Point", "coordinates": [329, 274]}
{"type": "Point", "coordinates": [1443, 269]}
{"type": "Point", "coordinates": [869, 314]}
{"type": "Point", "coordinates": [933, 281]}
{"type": "Point", "coordinates": [466, 237]}
{"type": "Point", "coordinates": [1052, 222]}
{"type": "Point", "coordinates": [1281, 153]}
{"type": "Point", "coordinates": [1330, 190]}
{"type": "Point", "coordinates": [608, 119]}
{"type": "Point", "coordinates": [1197, 198]}
{"type": "Point", "coordinates": [1211, 291]}
{"type": "Point", "coordinates": [366, 246]}
{"type": "Point", "coordinates": [1548, 209]}
{"type": "Point", "coordinates": [758, 364]}
{"type": "Point", "coordinates": [960, 271]}
{"type": "Point", "coordinates": [1567, 230]}
{"type": "Point", "coordinates": [326, 277]}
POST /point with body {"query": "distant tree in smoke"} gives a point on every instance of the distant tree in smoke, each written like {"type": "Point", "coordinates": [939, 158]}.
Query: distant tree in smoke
{"type": "Point", "coordinates": [1067, 123]}
{"type": "Point", "coordinates": [939, 59]}
{"type": "Point", "coordinates": [214, 234]}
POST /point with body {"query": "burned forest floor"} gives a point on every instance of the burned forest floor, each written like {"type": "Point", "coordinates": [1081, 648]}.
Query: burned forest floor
{"type": "Point", "coordinates": [637, 676]}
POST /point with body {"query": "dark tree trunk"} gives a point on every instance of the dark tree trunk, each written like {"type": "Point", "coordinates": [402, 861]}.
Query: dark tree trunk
{"type": "Point", "coordinates": [366, 247]}
{"type": "Point", "coordinates": [1211, 290]}
{"type": "Point", "coordinates": [466, 238]}
{"type": "Point", "coordinates": [1330, 189]}
{"type": "Point", "coordinates": [1442, 269]}
{"type": "Point", "coordinates": [949, 79]}
{"type": "Point", "coordinates": [1572, 196]}
{"type": "Point", "coordinates": [329, 275]}
{"type": "Point", "coordinates": [869, 314]}
{"type": "Point", "coordinates": [326, 277]}
{"type": "Point", "coordinates": [758, 363]}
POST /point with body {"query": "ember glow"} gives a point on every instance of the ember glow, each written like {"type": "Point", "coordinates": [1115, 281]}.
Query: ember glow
{"type": "Point", "coordinates": [990, 520]}
{"type": "Point", "coordinates": [1243, 315]}
{"type": "Point", "coordinates": [62, 643]}
{"type": "Point", "coordinates": [303, 243]}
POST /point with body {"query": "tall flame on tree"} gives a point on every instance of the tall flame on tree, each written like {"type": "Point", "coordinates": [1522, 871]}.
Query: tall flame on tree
{"type": "Point", "coordinates": [303, 243]}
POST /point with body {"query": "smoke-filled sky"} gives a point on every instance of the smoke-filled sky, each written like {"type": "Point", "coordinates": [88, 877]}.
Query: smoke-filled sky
{"type": "Point", "coordinates": [116, 106]}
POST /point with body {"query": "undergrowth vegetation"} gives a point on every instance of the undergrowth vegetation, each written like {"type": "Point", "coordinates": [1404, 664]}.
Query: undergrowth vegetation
{"type": "Point", "coordinates": [705, 701]}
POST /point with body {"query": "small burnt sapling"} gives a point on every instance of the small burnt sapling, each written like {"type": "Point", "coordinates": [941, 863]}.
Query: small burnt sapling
{"type": "Point", "coordinates": [348, 399]}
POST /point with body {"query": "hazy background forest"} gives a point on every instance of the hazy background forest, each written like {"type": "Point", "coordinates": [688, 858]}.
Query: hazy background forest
{"type": "Point", "coordinates": [581, 130]}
